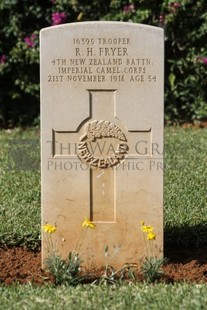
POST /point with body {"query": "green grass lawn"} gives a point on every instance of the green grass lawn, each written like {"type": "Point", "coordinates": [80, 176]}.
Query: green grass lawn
{"type": "Point", "coordinates": [185, 224]}
{"type": "Point", "coordinates": [185, 210]}
{"type": "Point", "coordinates": [124, 297]}
{"type": "Point", "coordinates": [185, 186]}
{"type": "Point", "coordinates": [20, 188]}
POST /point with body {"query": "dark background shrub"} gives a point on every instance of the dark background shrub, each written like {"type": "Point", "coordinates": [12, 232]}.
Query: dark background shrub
{"type": "Point", "coordinates": [185, 24]}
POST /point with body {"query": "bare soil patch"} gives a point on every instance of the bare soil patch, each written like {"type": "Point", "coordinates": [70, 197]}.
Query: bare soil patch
{"type": "Point", "coordinates": [24, 266]}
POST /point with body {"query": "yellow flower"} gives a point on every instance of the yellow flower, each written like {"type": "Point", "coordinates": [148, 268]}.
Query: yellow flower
{"type": "Point", "coordinates": [48, 228]}
{"type": "Point", "coordinates": [88, 224]}
{"type": "Point", "coordinates": [147, 229]}
{"type": "Point", "coordinates": [151, 236]}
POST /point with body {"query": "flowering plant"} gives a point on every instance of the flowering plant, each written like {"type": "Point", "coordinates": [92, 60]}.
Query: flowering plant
{"type": "Point", "coordinates": [185, 86]}
{"type": "Point", "coordinates": [149, 230]}
{"type": "Point", "coordinates": [151, 267]}
{"type": "Point", "coordinates": [65, 271]}
{"type": "Point", "coordinates": [30, 40]}
{"type": "Point", "coordinates": [58, 18]}
{"type": "Point", "coordinates": [88, 224]}
{"type": "Point", "coordinates": [48, 228]}
{"type": "Point", "coordinates": [2, 59]}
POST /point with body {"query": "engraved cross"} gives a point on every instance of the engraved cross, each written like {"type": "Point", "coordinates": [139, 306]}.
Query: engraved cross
{"type": "Point", "coordinates": [102, 144]}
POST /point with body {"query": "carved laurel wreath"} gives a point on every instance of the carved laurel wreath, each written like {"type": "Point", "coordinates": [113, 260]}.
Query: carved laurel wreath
{"type": "Point", "coordinates": [98, 129]}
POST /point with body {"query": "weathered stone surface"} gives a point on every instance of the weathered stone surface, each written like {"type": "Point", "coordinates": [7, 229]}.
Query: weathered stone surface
{"type": "Point", "coordinates": [102, 138]}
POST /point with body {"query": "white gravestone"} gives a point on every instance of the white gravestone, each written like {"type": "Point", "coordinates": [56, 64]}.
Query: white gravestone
{"type": "Point", "coordinates": [102, 137]}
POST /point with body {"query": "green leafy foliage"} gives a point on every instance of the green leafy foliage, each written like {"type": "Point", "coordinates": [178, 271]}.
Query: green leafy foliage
{"type": "Point", "coordinates": [185, 25]}
{"type": "Point", "coordinates": [64, 271]}
{"type": "Point", "coordinates": [184, 22]}
{"type": "Point", "coordinates": [151, 268]}
{"type": "Point", "coordinates": [186, 62]}
{"type": "Point", "coordinates": [112, 276]}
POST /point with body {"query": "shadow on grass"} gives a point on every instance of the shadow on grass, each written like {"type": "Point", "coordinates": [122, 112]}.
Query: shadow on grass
{"type": "Point", "coordinates": [183, 244]}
